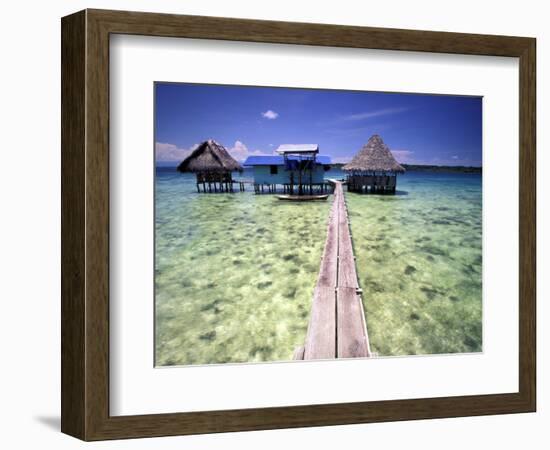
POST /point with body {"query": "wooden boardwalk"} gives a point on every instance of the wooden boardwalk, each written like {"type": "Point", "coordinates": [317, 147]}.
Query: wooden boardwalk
{"type": "Point", "coordinates": [337, 326]}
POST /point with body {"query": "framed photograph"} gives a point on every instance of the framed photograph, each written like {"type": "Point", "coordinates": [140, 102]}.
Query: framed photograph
{"type": "Point", "coordinates": [273, 225]}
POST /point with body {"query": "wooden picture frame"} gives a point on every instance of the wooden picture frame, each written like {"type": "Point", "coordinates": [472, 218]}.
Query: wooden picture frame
{"type": "Point", "coordinates": [85, 224]}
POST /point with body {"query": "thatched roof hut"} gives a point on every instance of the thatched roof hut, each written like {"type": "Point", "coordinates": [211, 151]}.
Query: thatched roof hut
{"type": "Point", "coordinates": [213, 166]}
{"type": "Point", "coordinates": [373, 169]}
{"type": "Point", "coordinates": [210, 157]}
{"type": "Point", "coordinates": [375, 156]}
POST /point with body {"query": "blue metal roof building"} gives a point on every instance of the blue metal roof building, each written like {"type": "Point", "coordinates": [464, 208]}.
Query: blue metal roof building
{"type": "Point", "coordinates": [267, 160]}
{"type": "Point", "coordinates": [271, 169]}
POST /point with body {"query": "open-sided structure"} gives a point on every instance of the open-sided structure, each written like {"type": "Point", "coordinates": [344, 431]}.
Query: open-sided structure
{"type": "Point", "coordinates": [373, 169]}
{"type": "Point", "coordinates": [213, 166]}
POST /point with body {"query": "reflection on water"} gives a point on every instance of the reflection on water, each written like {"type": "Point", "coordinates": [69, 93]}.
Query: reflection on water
{"type": "Point", "coordinates": [235, 273]}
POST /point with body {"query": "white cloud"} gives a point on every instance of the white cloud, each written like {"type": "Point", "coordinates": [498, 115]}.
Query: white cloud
{"type": "Point", "coordinates": [240, 151]}
{"type": "Point", "coordinates": [269, 114]}
{"type": "Point", "coordinates": [377, 113]}
{"type": "Point", "coordinates": [403, 156]}
{"type": "Point", "coordinates": [172, 153]}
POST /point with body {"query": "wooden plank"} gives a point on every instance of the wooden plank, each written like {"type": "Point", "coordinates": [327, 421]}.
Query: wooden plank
{"type": "Point", "coordinates": [337, 325]}
{"type": "Point", "coordinates": [352, 338]}
{"type": "Point", "coordinates": [347, 274]}
{"type": "Point", "coordinates": [298, 353]}
{"type": "Point", "coordinates": [321, 333]}
{"type": "Point", "coordinates": [351, 329]}
{"type": "Point", "coordinates": [329, 260]}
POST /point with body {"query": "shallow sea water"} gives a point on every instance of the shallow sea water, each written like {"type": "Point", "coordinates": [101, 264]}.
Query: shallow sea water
{"type": "Point", "coordinates": [419, 262]}
{"type": "Point", "coordinates": [234, 273]}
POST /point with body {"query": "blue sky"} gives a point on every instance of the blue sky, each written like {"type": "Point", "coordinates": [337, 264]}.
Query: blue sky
{"type": "Point", "coordinates": [419, 129]}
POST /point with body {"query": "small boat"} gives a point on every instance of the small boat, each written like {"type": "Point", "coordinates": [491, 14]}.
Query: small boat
{"type": "Point", "coordinates": [302, 198]}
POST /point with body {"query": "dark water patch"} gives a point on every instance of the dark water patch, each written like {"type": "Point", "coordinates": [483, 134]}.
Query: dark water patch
{"type": "Point", "coordinates": [414, 316]}
{"type": "Point", "coordinates": [458, 221]}
{"type": "Point", "coordinates": [210, 336]}
{"type": "Point", "coordinates": [290, 257]}
{"type": "Point", "coordinates": [264, 284]}
{"type": "Point", "coordinates": [261, 230]}
{"type": "Point", "coordinates": [430, 293]}
{"type": "Point", "coordinates": [430, 258]}
{"type": "Point", "coordinates": [185, 283]}
{"type": "Point", "coordinates": [374, 286]}
{"type": "Point", "coordinates": [469, 285]}
{"type": "Point", "coordinates": [471, 343]}
{"type": "Point", "coordinates": [237, 262]}
{"type": "Point", "coordinates": [469, 269]}
{"type": "Point", "coordinates": [454, 298]}
{"type": "Point", "coordinates": [422, 239]}
{"type": "Point", "coordinates": [382, 219]}
{"type": "Point", "coordinates": [441, 222]}
{"type": "Point", "coordinates": [470, 242]}
{"type": "Point", "coordinates": [433, 250]}
{"type": "Point", "coordinates": [409, 270]}
{"type": "Point", "coordinates": [263, 350]}
{"type": "Point", "coordinates": [210, 285]}
{"type": "Point", "coordinates": [294, 270]}
{"type": "Point", "coordinates": [290, 293]}
{"type": "Point", "coordinates": [265, 266]}
{"type": "Point", "coordinates": [213, 305]}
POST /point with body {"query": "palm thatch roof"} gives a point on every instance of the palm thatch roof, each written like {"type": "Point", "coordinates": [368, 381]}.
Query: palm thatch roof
{"type": "Point", "coordinates": [209, 156]}
{"type": "Point", "coordinates": [374, 156]}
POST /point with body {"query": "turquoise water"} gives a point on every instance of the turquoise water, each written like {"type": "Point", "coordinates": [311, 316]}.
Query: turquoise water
{"type": "Point", "coordinates": [419, 262]}
{"type": "Point", "coordinates": [235, 273]}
